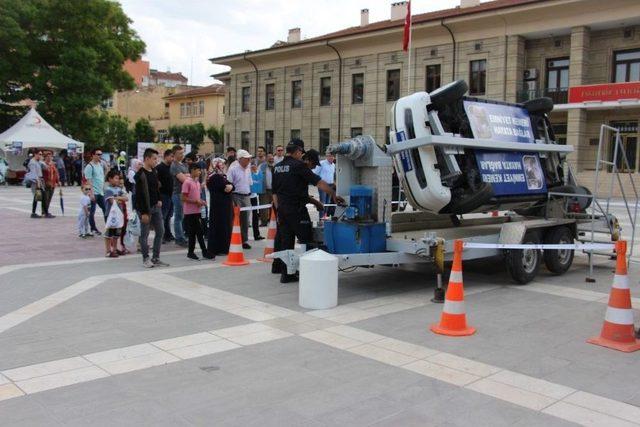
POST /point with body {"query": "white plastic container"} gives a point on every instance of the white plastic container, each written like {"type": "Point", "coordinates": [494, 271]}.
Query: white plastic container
{"type": "Point", "coordinates": [318, 288]}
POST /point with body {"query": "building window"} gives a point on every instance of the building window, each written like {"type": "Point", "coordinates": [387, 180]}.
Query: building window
{"type": "Point", "coordinates": [244, 140]}
{"type": "Point", "coordinates": [183, 109]}
{"type": "Point", "coordinates": [433, 77]}
{"type": "Point", "coordinates": [201, 107]}
{"type": "Point", "coordinates": [295, 134]}
{"type": "Point", "coordinates": [246, 98]}
{"type": "Point", "coordinates": [478, 77]}
{"type": "Point", "coordinates": [557, 80]}
{"type": "Point", "coordinates": [227, 138]}
{"type": "Point", "coordinates": [325, 91]}
{"type": "Point", "coordinates": [357, 88]}
{"type": "Point", "coordinates": [387, 137]}
{"type": "Point", "coordinates": [268, 140]}
{"type": "Point", "coordinates": [626, 66]}
{"type": "Point", "coordinates": [270, 96]}
{"type": "Point", "coordinates": [166, 110]}
{"type": "Point", "coordinates": [325, 139]}
{"type": "Point", "coordinates": [296, 94]}
{"type": "Point", "coordinates": [393, 85]}
{"type": "Point", "coordinates": [356, 132]}
{"type": "Point", "coordinates": [629, 141]}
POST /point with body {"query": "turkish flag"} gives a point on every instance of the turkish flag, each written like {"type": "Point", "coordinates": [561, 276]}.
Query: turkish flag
{"type": "Point", "coordinates": [407, 29]}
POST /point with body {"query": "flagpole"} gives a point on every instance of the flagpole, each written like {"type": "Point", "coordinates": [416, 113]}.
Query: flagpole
{"type": "Point", "coordinates": [409, 51]}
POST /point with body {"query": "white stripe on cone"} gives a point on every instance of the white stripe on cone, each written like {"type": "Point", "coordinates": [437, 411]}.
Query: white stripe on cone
{"type": "Point", "coordinates": [270, 244]}
{"type": "Point", "coordinates": [235, 248]}
{"type": "Point", "coordinates": [455, 276]}
{"type": "Point", "coordinates": [619, 316]}
{"type": "Point", "coordinates": [453, 307]}
{"type": "Point", "coordinates": [235, 229]}
{"type": "Point", "coordinates": [621, 281]}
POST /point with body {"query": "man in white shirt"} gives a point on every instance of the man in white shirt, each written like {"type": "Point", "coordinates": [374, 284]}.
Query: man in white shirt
{"type": "Point", "coordinates": [326, 171]}
{"type": "Point", "coordinates": [239, 174]}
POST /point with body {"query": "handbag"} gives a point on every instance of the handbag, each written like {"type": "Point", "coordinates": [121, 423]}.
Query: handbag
{"type": "Point", "coordinates": [115, 218]}
{"type": "Point", "coordinates": [133, 225]}
{"type": "Point", "coordinates": [38, 195]}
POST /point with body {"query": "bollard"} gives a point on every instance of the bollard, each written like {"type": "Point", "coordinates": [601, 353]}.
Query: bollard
{"type": "Point", "coordinates": [318, 288]}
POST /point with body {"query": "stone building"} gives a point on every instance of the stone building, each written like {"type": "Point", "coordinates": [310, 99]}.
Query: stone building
{"type": "Point", "coordinates": [584, 54]}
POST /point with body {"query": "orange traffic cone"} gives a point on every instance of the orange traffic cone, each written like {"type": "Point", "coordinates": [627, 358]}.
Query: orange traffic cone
{"type": "Point", "coordinates": [271, 237]}
{"type": "Point", "coordinates": [617, 330]}
{"type": "Point", "coordinates": [453, 321]}
{"type": "Point", "coordinates": [236, 256]}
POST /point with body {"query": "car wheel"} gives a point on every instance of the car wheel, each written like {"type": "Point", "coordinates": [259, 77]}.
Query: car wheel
{"type": "Point", "coordinates": [523, 264]}
{"type": "Point", "coordinates": [448, 93]}
{"type": "Point", "coordinates": [558, 261]}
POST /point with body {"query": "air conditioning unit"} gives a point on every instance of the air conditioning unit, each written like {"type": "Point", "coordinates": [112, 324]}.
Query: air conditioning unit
{"type": "Point", "coordinates": [531, 74]}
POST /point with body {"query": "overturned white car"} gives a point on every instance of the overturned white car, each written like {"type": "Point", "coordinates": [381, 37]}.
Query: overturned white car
{"type": "Point", "coordinates": [456, 154]}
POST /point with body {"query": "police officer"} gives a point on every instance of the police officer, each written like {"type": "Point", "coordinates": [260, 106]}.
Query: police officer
{"type": "Point", "coordinates": [291, 179]}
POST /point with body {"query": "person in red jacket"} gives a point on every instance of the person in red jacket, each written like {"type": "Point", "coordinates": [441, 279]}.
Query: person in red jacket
{"type": "Point", "coordinates": [51, 181]}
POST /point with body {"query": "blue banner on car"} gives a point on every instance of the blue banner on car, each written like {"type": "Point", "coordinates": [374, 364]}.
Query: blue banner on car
{"type": "Point", "coordinates": [509, 173]}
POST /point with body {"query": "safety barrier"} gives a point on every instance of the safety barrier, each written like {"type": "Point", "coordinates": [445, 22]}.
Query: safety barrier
{"type": "Point", "coordinates": [576, 246]}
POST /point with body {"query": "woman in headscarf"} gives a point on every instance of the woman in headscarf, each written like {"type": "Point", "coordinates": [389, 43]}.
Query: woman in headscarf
{"type": "Point", "coordinates": [220, 208]}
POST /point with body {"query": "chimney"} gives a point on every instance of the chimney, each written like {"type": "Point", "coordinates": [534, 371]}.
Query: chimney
{"type": "Point", "coordinates": [399, 10]}
{"type": "Point", "coordinates": [364, 17]}
{"type": "Point", "coordinates": [469, 3]}
{"type": "Point", "coordinates": [294, 35]}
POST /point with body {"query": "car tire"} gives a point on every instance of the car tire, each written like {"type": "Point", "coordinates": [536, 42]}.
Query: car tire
{"type": "Point", "coordinates": [523, 264]}
{"type": "Point", "coordinates": [558, 261]}
{"type": "Point", "coordinates": [539, 105]}
{"type": "Point", "coordinates": [449, 93]}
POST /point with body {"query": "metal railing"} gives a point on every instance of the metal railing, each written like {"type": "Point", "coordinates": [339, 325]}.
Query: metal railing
{"type": "Point", "coordinates": [558, 95]}
{"type": "Point", "coordinates": [615, 175]}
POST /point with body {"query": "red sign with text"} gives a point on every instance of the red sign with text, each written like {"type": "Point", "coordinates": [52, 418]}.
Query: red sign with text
{"type": "Point", "coordinates": [604, 92]}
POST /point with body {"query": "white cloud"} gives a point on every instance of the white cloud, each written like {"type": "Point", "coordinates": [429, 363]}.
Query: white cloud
{"type": "Point", "coordinates": [181, 33]}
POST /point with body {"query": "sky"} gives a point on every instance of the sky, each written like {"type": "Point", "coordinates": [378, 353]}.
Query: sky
{"type": "Point", "coordinates": [181, 35]}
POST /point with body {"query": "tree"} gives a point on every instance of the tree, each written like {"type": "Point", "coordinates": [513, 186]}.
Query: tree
{"type": "Point", "coordinates": [67, 55]}
{"type": "Point", "coordinates": [143, 131]}
{"type": "Point", "coordinates": [188, 134]}
{"type": "Point", "coordinates": [115, 134]}
{"type": "Point", "coordinates": [216, 134]}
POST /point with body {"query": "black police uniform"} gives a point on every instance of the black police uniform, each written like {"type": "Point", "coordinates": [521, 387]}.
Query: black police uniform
{"type": "Point", "coordinates": [291, 180]}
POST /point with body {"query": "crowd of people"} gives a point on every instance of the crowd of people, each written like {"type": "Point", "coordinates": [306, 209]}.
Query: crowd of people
{"type": "Point", "coordinates": [184, 198]}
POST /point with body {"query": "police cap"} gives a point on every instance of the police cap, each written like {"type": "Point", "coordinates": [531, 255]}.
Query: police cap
{"type": "Point", "coordinates": [295, 144]}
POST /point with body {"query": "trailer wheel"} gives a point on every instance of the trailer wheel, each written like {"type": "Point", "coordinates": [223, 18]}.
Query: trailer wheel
{"type": "Point", "coordinates": [558, 261]}
{"type": "Point", "coordinates": [523, 264]}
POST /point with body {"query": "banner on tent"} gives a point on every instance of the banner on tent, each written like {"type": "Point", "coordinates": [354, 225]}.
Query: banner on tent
{"type": "Point", "coordinates": [16, 147]}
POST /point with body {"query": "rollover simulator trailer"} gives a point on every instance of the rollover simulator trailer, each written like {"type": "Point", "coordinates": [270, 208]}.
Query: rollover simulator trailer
{"type": "Point", "coordinates": [457, 158]}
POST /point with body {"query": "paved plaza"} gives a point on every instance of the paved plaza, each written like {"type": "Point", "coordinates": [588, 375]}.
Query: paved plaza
{"type": "Point", "coordinates": [86, 340]}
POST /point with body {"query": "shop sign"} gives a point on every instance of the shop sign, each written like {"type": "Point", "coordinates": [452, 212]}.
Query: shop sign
{"type": "Point", "coordinates": [604, 92]}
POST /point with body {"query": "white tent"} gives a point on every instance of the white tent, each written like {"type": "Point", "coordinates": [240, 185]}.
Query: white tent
{"type": "Point", "coordinates": [32, 131]}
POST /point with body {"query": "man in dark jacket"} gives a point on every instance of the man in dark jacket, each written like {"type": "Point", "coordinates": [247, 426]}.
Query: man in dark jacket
{"type": "Point", "coordinates": [148, 204]}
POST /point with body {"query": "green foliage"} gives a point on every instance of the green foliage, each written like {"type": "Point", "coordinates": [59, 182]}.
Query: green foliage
{"type": "Point", "coordinates": [112, 132]}
{"type": "Point", "coordinates": [67, 55]}
{"type": "Point", "coordinates": [143, 131]}
{"type": "Point", "coordinates": [188, 134]}
{"type": "Point", "coordinates": [216, 134]}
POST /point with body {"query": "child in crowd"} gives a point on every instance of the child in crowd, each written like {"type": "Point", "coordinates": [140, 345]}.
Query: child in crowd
{"type": "Point", "coordinates": [113, 196]}
{"type": "Point", "coordinates": [84, 230]}
{"type": "Point", "coordinates": [192, 203]}
{"type": "Point", "coordinates": [125, 212]}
